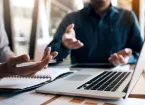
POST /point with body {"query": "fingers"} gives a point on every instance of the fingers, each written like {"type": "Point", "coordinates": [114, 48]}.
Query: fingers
{"type": "Point", "coordinates": [118, 59]}
{"type": "Point", "coordinates": [20, 59]}
{"type": "Point", "coordinates": [74, 44]}
{"type": "Point", "coordinates": [30, 70]}
{"type": "Point", "coordinates": [69, 42]}
{"type": "Point", "coordinates": [42, 64]}
{"type": "Point", "coordinates": [69, 39]}
{"type": "Point", "coordinates": [114, 59]}
{"type": "Point", "coordinates": [47, 52]}
{"type": "Point", "coordinates": [54, 54]}
{"type": "Point", "coordinates": [125, 52]}
{"type": "Point", "coordinates": [77, 45]}
{"type": "Point", "coordinates": [70, 28]}
{"type": "Point", "coordinates": [122, 59]}
{"type": "Point", "coordinates": [34, 68]}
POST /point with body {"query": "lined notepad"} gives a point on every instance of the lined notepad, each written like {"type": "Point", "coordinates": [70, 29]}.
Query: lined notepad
{"type": "Point", "coordinates": [17, 82]}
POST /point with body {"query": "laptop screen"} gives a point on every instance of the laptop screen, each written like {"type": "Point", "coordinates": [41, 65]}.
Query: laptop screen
{"type": "Point", "coordinates": [137, 71]}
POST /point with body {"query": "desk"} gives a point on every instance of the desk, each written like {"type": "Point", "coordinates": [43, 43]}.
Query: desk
{"type": "Point", "coordinates": [139, 89]}
{"type": "Point", "coordinates": [32, 98]}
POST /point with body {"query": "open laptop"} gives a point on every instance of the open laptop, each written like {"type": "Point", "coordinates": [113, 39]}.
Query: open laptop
{"type": "Point", "coordinates": [97, 83]}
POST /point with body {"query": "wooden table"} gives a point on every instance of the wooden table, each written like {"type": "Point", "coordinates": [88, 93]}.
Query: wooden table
{"type": "Point", "coordinates": [139, 89]}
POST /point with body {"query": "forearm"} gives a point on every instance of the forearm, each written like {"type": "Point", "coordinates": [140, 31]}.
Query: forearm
{"type": "Point", "coordinates": [56, 44]}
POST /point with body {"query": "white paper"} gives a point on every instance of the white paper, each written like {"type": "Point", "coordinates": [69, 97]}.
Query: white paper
{"type": "Point", "coordinates": [52, 72]}
{"type": "Point", "coordinates": [42, 76]}
{"type": "Point", "coordinates": [20, 83]}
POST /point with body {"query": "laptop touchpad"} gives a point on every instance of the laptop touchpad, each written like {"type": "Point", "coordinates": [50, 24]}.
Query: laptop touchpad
{"type": "Point", "coordinates": [78, 77]}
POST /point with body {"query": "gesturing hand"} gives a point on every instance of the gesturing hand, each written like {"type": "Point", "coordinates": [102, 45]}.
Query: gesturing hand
{"type": "Point", "coordinates": [9, 68]}
{"type": "Point", "coordinates": [69, 39]}
{"type": "Point", "coordinates": [121, 57]}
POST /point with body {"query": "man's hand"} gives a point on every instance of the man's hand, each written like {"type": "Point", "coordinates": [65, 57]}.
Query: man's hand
{"type": "Point", "coordinates": [69, 39]}
{"type": "Point", "coordinates": [121, 57]}
{"type": "Point", "coordinates": [9, 68]}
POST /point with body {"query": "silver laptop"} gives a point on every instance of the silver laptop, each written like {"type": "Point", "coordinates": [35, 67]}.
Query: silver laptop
{"type": "Point", "coordinates": [97, 83]}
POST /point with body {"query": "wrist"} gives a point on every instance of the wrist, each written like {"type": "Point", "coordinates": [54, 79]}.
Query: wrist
{"type": "Point", "coordinates": [4, 71]}
{"type": "Point", "coordinates": [64, 46]}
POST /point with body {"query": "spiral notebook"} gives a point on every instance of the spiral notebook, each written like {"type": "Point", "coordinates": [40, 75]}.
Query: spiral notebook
{"type": "Point", "coordinates": [40, 78]}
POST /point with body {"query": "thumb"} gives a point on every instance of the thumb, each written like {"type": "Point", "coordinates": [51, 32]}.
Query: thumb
{"type": "Point", "coordinates": [46, 52]}
{"type": "Point", "coordinates": [70, 28]}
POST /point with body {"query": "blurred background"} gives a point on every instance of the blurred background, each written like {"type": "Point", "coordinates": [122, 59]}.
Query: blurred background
{"type": "Point", "coordinates": [31, 24]}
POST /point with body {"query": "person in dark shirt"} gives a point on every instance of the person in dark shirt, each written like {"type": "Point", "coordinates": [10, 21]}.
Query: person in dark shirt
{"type": "Point", "coordinates": [99, 33]}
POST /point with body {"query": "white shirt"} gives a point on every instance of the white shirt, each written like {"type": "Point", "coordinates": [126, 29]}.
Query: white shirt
{"type": "Point", "coordinates": [5, 51]}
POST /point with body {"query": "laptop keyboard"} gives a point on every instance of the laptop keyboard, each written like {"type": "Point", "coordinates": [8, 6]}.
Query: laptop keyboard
{"type": "Point", "coordinates": [106, 81]}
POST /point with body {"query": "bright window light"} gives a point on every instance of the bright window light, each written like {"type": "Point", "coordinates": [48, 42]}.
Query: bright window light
{"type": "Point", "coordinates": [114, 2]}
{"type": "Point", "coordinates": [23, 3]}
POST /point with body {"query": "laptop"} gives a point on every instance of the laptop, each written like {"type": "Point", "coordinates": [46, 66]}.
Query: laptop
{"type": "Point", "coordinates": [97, 83]}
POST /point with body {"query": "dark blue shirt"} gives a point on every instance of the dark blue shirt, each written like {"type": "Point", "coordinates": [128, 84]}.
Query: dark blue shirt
{"type": "Point", "coordinates": [102, 36]}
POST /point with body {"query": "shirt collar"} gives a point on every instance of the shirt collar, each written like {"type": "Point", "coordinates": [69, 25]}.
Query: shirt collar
{"type": "Point", "coordinates": [90, 10]}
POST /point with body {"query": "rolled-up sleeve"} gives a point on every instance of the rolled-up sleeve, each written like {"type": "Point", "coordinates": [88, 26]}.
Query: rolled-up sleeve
{"type": "Point", "coordinates": [5, 51]}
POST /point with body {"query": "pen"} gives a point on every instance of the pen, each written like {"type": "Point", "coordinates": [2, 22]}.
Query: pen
{"type": "Point", "coordinates": [32, 63]}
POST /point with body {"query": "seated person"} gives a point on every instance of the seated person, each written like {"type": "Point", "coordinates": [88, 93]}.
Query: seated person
{"type": "Point", "coordinates": [9, 60]}
{"type": "Point", "coordinates": [99, 33]}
